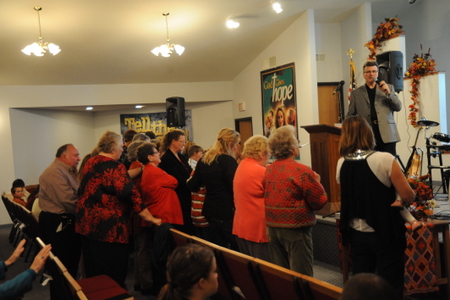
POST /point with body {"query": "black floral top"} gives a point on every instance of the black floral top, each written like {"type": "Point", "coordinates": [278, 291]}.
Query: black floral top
{"type": "Point", "coordinates": [107, 197]}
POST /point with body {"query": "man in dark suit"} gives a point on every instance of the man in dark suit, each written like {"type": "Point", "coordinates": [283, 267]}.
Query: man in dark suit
{"type": "Point", "coordinates": [376, 102]}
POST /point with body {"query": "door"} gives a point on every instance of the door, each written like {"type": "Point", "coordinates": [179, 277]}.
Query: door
{"type": "Point", "coordinates": [331, 108]}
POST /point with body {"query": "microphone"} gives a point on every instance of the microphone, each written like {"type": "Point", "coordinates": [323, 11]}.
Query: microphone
{"type": "Point", "coordinates": [338, 87]}
{"type": "Point", "coordinates": [379, 84]}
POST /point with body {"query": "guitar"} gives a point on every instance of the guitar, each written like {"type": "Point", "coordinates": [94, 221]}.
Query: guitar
{"type": "Point", "coordinates": [414, 162]}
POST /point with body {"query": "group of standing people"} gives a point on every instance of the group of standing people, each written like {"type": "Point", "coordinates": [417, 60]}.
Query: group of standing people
{"type": "Point", "coordinates": [263, 210]}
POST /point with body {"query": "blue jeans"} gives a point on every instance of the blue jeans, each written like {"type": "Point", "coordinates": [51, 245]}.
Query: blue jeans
{"type": "Point", "coordinates": [292, 248]}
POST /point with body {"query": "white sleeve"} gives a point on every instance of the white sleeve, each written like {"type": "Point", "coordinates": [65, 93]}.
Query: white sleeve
{"type": "Point", "coordinates": [338, 169]}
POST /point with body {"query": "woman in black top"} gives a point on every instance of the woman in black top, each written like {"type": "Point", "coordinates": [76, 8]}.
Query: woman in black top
{"type": "Point", "coordinates": [175, 164]}
{"type": "Point", "coordinates": [216, 171]}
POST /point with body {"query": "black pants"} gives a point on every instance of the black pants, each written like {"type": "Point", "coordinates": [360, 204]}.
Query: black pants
{"type": "Point", "coordinates": [102, 258]}
{"type": "Point", "coordinates": [370, 253]}
{"type": "Point", "coordinates": [380, 145]}
{"type": "Point", "coordinates": [220, 233]}
{"type": "Point", "coordinates": [59, 231]}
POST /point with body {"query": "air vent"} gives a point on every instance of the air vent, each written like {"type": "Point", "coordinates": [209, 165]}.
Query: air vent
{"type": "Point", "coordinates": [320, 57]}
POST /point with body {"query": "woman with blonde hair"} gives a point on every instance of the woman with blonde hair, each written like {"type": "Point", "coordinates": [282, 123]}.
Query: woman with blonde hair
{"type": "Point", "coordinates": [215, 171]}
{"type": "Point", "coordinates": [250, 220]}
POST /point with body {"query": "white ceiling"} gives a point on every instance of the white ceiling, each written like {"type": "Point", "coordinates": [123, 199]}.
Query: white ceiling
{"type": "Point", "coordinates": [109, 41]}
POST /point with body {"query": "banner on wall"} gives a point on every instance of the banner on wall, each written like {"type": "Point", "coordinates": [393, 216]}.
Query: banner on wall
{"type": "Point", "coordinates": [156, 122]}
{"type": "Point", "coordinates": [278, 98]}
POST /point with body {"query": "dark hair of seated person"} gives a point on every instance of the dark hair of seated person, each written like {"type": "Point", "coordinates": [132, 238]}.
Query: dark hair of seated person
{"type": "Point", "coordinates": [367, 286]}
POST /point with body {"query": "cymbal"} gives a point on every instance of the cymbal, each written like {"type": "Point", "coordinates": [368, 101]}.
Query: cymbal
{"type": "Point", "coordinates": [428, 123]}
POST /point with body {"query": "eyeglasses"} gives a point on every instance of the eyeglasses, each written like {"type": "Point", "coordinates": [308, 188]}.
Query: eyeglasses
{"type": "Point", "coordinates": [371, 72]}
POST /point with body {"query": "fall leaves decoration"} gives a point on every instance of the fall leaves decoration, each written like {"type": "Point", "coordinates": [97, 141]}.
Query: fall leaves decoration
{"type": "Point", "coordinates": [422, 65]}
{"type": "Point", "coordinates": [385, 31]}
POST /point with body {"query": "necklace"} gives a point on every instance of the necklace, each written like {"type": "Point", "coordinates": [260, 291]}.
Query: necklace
{"type": "Point", "coordinates": [359, 154]}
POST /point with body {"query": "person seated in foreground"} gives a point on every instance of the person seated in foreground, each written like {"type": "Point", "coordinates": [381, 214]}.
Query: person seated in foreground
{"type": "Point", "coordinates": [367, 286]}
{"type": "Point", "coordinates": [191, 274]}
{"type": "Point", "coordinates": [23, 282]}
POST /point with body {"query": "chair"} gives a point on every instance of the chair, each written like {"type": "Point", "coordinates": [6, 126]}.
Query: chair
{"type": "Point", "coordinates": [242, 274]}
{"type": "Point", "coordinates": [280, 283]}
{"type": "Point", "coordinates": [321, 290]}
{"type": "Point", "coordinates": [225, 291]}
{"type": "Point", "coordinates": [100, 287]}
{"type": "Point", "coordinates": [180, 238]}
{"type": "Point", "coordinates": [9, 208]}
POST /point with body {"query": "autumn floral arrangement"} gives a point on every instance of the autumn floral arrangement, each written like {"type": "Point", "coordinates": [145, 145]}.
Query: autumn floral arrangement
{"type": "Point", "coordinates": [422, 65]}
{"type": "Point", "coordinates": [424, 203]}
{"type": "Point", "coordinates": [385, 31]}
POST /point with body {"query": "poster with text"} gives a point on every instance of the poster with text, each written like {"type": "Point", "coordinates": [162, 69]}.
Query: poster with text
{"type": "Point", "coordinates": [156, 122]}
{"type": "Point", "coordinates": [278, 98]}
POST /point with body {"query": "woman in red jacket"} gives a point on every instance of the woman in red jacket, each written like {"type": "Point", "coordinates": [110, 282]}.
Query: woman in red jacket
{"type": "Point", "coordinates": [249, 223]}
{"type": "Point", "coordinates": [158, 188]}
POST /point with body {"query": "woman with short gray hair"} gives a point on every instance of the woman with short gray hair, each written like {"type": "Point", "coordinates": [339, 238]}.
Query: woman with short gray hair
{"type": "Point", "coordinates": [292, 192]}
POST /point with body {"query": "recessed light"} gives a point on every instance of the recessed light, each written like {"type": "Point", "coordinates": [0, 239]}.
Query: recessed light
{"type": "Point", "coordinates": [89, 108]}
{"type": "Point", "coordinates": [139, 106]}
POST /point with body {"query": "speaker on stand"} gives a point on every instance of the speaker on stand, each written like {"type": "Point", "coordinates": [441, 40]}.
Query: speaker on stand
{"type": "Point", "coordinates": [175, 112]}
{"type": "Point", "coordinates": [390, 69]}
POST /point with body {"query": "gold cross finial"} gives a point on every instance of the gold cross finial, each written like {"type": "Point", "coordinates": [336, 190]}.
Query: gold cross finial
{"type": "Point", "coordinates": [350, 52]}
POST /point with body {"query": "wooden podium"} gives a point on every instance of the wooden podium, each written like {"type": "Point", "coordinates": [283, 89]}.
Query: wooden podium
{"type": "Point", "coordinates": [324, 141]}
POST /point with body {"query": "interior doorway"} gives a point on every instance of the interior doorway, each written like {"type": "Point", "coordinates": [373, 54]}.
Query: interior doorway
{"type": "Point", "coordinates": [331, 106]}
{"type": "Point", "coordinates": [245, 128]}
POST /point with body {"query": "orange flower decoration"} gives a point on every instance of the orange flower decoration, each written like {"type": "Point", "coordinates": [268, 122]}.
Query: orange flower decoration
{"type": "Point", "coordinates": [422, 65]}
{"type": "Point", "coordinates": [384, 32]}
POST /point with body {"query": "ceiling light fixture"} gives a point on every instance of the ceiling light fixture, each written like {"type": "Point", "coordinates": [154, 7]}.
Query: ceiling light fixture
{"type": "Point", "coordinates": [139, 106]}
{"type": "Point", "coordinates": [276, 6]}
{"type": "Point", "coordinates": [39, 49]}
{"type": "Point", "coordinates": [89, 108]}
{"type": "Point", "coordinates": [232, 23]}
{"type": "Point", "coordinates": [167, 49]}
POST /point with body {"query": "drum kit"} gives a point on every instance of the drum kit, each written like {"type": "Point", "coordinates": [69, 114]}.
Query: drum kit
{"type": "Point", "coordinates": [441, 137]}
{"type": "Point", "coordinates": [434, 150]}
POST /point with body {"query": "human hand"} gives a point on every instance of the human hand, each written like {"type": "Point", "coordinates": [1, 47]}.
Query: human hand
{"type": "Point", "coordinates": [16, 254]}
{"type": "Point", "coordinates": [41, 258]}
{"type": "Point", "coordinates": [384, 87]}
{"type": "Point", "coordinates": [156, 221]}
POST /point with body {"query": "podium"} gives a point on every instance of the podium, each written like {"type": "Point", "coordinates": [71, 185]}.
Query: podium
{"type": "Point", "coordinates": [324, 142]}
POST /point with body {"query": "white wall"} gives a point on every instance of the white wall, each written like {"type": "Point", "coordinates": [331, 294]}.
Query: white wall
{"type": "Point", "coordinates": [296, 44]}
{"type": "Point", "coordinates": [356, 31]}
{"type": "Point", "coordinates": [38, 133]}
{"type": "Point", "coordinates": [328, 42]}
{"type": "Point", "coordinates": [425, 23]}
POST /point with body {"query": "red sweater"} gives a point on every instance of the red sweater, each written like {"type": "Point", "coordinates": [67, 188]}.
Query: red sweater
{"type": "Point", "coordinates": [291, 194]}
{"type": "Point", "coordinates": [158, 193]}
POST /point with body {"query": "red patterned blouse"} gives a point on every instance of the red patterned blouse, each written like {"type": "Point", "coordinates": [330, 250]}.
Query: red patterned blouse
{"type": "Point", "coordinates": [107, 197]}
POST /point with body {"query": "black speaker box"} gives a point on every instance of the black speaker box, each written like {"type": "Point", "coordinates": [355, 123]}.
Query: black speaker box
{"type": "Point", "coordinates": [175, 112]}
{"type": "Point", "coordinates": [391, 69]}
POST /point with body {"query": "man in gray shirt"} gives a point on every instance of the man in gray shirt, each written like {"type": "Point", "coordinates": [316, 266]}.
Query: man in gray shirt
{"type": "Point", "coordinates": [58, 197]}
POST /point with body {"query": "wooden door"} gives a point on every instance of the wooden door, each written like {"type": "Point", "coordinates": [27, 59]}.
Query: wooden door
{"type": "Point", "coordinates": [331, 109]}
{"type": "Point", "coordinates": [245, 128]}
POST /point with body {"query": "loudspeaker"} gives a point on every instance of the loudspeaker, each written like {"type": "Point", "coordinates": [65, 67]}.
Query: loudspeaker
{"type": "Point", "coordinates": [175, 112]}
{"type": "Point", "coordinates": [391, 69]}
